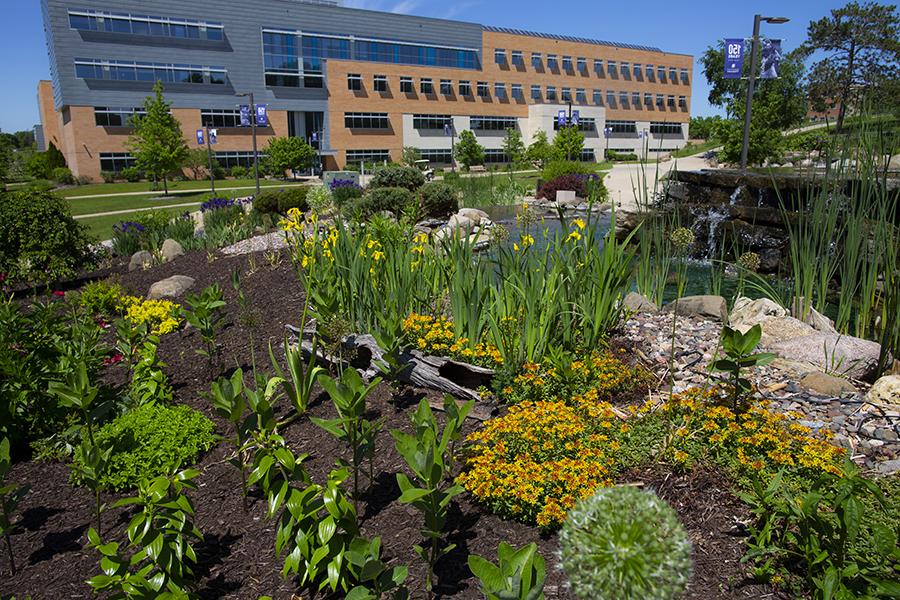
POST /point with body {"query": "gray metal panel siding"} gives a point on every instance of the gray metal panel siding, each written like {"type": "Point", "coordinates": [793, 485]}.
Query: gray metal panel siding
{"type": "Point", "coordinates": [241, 54]}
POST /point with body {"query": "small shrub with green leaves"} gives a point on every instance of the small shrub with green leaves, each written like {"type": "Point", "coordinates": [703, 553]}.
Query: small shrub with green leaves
{"type": "Point", "coordinates": [397, 176]}
{"type": "Point", "coordinates": [10, 496]}
{"type": "Point", "coordinates": [429, 456]}
{"type": "Point", "coordinates": [613, 155]}
{"type": "Point", "coordinates": [520, 574]}
{"type": "Point", "coordinates": [204, 312]}
{"type": "Point", "coordinates": [149, 441]}
{"type": "Point", "coordinates": [107, 176]}
{"type": "Point", "coordinates": [319, 199]}
{"type": "Point", "coordinates": [624, 543]}
{"type": "Point", "coordinates": [132, 174]}
{"type": "Point", "coordinates": [343, 191]}
{"type": "Point", "coordinates": [63, 175]}
{"type": "Point", "coordinates": [739, 354]}
{"type": "Point", "coordinates": [394, 199]}
{"type": "Point", "coordinates": [439, 199]}
{"type": "Point", "coordinates": [39, 239]}
{"type": "Point", "coordinates": [281, 201]}
{"type": "Point", "coordinates": [102, 297]}
{"type": "Point", "coordinates": [161, 537]}
{"type": "Point", "coordinates": [558, 168]}
{"type": "Point", "coordinates": [149, 382]}
{"type": "Point", "coordinates": [239, 171]}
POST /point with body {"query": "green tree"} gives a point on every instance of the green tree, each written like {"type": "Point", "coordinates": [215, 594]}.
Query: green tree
{"type": "Point", "coordinates": [861, 54]}
{"type": "Point", "coordinates": [704, 128]}
{"type": "Point", "coordinates": [568, 143]}
{"type": "Point", "coordinates": [468, 151]}
{"type": "Point", "coordinates": [289, 153]}
{"type": "Point", "coordinates": [410, 156]}
{"type": "Point", "coordinates": [156, 143]}
{"type": "Point", "coordinates": [513, 146]}
{"type": "Point", "coordinates": [55, 158]}
{"type": "Point", "coordinates": [6, 159]}
{"type": "Point", "coordinates": [197, 162]}
{"type": "Point", "coordinates": [766, 142]}
{"type": "Point", "coordinates": [539, 152]}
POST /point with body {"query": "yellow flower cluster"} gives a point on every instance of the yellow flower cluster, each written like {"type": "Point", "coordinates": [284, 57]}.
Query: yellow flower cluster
{"type": "Point", "coordinates": [755, 440]}
{"type": "Point", "coordinates": [599, 374]}
{"type": "Point", "coordinates": [161, 316]}
{"type": "Point", "coordinates": [534, 463]}
{"type": "Point", "coordinates": [434, 335]}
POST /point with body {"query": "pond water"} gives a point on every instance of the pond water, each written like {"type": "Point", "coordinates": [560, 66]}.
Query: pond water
{"type": "Point", "coordinates": [546, 223]}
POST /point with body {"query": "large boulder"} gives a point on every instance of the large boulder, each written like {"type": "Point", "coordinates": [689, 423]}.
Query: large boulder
{"type": "Point", "coordinates": [171, 250]}
{"type": "Point", "coordinates": [140, 260]}
{"type": "Point", "coordinates": [842, 354]}
{"type": "Point", "coordinates": [813, 318]}
{"type": "Point", "coordinates": [473, 214]}
{"type": "Point", "coordinates": [458, 222]}
{"type": "Point", "coordinates": [777, 326]}
{"type": "Point", "coordinates": [708, 307]}
{"type": "Point", "coordinates": [885, 391]}
{"type": "Point", "coordinates": [170, 287]}
{"type": "Point", "coordinates": [636, 303]}
{"type": "Point", "coordinates": [829, 385]}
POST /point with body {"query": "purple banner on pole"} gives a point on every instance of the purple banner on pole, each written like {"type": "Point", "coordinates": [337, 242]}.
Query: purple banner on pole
{"type": "Point", "coordinates": [771, 58]}
{"type": "Point", "coordinates": [734, 58]}
{"type": "Point", "coordinates": [576, 117]}
{"type": "Point", "coordinates": [213, 136]}
{"type": "Point", "coordinates": [262, 117]}
{"type": "Point", "coordinates": [245, 115]}
{"type": "Point", "coordinates": [561, 118]}
{"type": "Point", "coordinates": [200, 139]}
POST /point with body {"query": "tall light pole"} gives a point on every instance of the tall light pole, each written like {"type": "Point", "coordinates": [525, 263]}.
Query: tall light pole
{"type": "Point", "coordinates": [754, 47]}
{"type": "Point", "coordinates": [606, 133]}
{"type": "Point", "coordinates": [212, 175]}
{"type": "Point", "coordinates": [253, 134]}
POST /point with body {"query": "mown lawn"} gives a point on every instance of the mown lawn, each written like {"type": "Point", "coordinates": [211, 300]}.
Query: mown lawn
{"type": "Point", "coordinates": [174, 186]}
{"type": "Point", "coordinates": [101, 227]}
{"type": "Point", "coordinates": [88, 206]}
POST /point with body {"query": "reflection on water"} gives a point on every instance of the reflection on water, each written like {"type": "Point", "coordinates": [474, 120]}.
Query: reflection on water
{"type": "Point", "coordinates": [546, 224]}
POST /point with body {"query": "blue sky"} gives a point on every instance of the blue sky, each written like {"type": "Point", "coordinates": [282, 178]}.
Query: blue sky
{"type": "Point", "coordinates": [685, 27]}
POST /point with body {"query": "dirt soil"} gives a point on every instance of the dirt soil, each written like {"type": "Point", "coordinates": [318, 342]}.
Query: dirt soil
{"type": "Point", "coordinates": [237, 557]}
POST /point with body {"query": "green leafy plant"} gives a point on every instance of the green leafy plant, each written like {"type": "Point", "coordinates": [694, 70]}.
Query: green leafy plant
{"type": "Point", "coordinates": [160, 544]}
{"type": "Point", "coordinates": [739, 351]}
{"type": "Point", "coordinates": [129, 339]}
{"type": "Point", "coordinates": [228, 401]}
{"type": "Point", "coordinates": [428, 456]}
{"type": "Point", "coordinates": [348, 394]}
{"type": "Point", "coordinates": [149, 441]}
{"type": "Point", "coordinates": [101, 297]}
{"type": "Point", "coordinates": [205, 314]}
{"type": "Point", "coordinates": [378, 581]}
{"type": "Point", "coordinates": [149, 382]}
{"type": "Point", "coordinates": [10, 496]}
{"type": "Point", "coordinates": [439, 199]}
{"type": "Point", "coordinates": [624, 543]}
{"type": "Point", "coordinates": [90, 463]}
{"type": "Point", "coordinates": [519, 575]}
{"type": "Point", "coordinates": [301, 376]}
{"type": "Point", "coordinates": [397, 176]}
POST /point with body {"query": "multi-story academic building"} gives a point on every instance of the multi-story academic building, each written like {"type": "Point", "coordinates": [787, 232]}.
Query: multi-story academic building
{"type": "Point", "coordinates": [362, 84]}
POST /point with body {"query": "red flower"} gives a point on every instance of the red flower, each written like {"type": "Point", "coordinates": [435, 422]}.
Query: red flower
{"type": "Point", "coordinates": [114, 359]}
{"type": "Point", "coordinates": [2, 277]}
{"type": "Point", "coordinates": [59, 293]}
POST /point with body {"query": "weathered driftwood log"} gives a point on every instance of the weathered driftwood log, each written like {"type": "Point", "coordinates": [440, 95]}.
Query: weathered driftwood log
{"type": "Point", "coordinates": [434, 372]}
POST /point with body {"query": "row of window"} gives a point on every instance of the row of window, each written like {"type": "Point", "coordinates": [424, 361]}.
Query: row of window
{"type": "Point", "coordinates": [116, 116]}
{"type": "Point", "coordinates": [367, 156]}
{"type": "Point", "coordinates": [90, 20]}
{"type": "Point", "coordinates": [491, 156]}
{"type": "Point", "coordinates": [579, 64]}
{"type": "Point", "coordinates": [116, 70]}
{"type": "Point", "coordinates": [538, 93]}
{"type": "Point", "coordinates": [114, 162]}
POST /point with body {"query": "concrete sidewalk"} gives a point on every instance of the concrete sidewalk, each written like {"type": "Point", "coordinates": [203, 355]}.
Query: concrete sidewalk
{"type": "Point", "coordinates": [129, 211]}
{"type": "Point", "coordinates": [194, 191]}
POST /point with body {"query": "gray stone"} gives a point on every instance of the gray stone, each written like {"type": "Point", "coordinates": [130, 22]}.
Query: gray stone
{"type": "Point", "coordinates": [813, 318]}
{"type": "Point", "coordinates": [841, 354]}
{"type": "Point", "coordinates": [170, 287]}
{"type": "Point", "coordinates": [886, 435]}
{"type": "Point", "coordinates": [826, 384]}
{"type": "Point", "coordinates": [171, 250]}
{"type": "Point", "coordinates": [885, 391]}
{"type": "Point", "coordinates": [140, 260]}
{"type": "Point", "coordinates": [747, 313]}
{"type": "Point", "coordinates": [473, 214]}
{"type": "Point", "coordinates": [459, 222]}
{"type": "Point", "coordinates": [888, 467]}
{"type": "Point", "coordinates": [709, 307]}
{"type": "Point", "coordinates": [636, 303]}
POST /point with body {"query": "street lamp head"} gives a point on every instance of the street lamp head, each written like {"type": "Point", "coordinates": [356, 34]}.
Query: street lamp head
{"type": "Point", "coordinates": [776, 20]}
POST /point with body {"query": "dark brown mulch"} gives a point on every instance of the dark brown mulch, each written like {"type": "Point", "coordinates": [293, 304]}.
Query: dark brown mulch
{"type": "Point", "coordinates": [237, 557]}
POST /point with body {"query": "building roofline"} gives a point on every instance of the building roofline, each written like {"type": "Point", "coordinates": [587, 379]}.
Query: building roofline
{"type": "Point", "coordinates": [577, 39]}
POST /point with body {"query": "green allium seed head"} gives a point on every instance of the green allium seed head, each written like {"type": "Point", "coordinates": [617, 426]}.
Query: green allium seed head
{"type": "Point", "coordinates": [682, 238]}
{"type": "Point", "coordinates": [749, 261]}
{"type": "Point", "coordinates": [624, 543]}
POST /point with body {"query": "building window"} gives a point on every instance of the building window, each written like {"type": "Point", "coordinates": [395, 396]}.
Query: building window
{"type": "Point", "coordinates": [582, 65]}
{"type": "Point", "coordinates": [598, 97]}
{"type": "Point", "coordinates": [220, 117]}
{"type": "Point", "coordinates": [440, 156]}
{"type": "Point", "coordinates": [648, 99]}
{"type": "Point", "coordinates": [536, 60]}
{"type": "Point", "coordinates": [684, 75]}
{"type": "Point", "coordinates": [673, 74]}
{"type": "Point", "coordinates": [367, 156]}
{"type": "Point", "coordinates": [661, 73]}
{"type": "Point", "coordinates": [491, 123]}
{"type": "Point", "coordinates": [610, 98]}
{"type": "Point", "coordinates": [567, 63]}
{"type": "Point", "coordinates": [465, 88]}
{"type": "Point", "coordinates": [626, 69]}
{"type": "Point", "coordinates": [446, 87]}
{"type": "Point", "coordinates": [587, 155]}
{"type": "Point", "coordinates": [551, 93]}
{"type": "Point", "coordinates": [89, 20]}
{"type": "Point", "coordinates": [229, 159]}
{"type": "Point", "coordinates": [406, 85]}
{"type": "Point", "coordinates": [117, 70]}
{"type": "Point", "coordinates": [115, 162]}
{"type": "Point", "coordinates": [483, 90]}
{"type": "Point", "coordinates": [622, 126]}
{"type": "Point", "coordinates": [106, 116]}
{"type": "Point", "coordinates": [637, 69]}
{"type": "Point", "coordinates": [598, 67]}
{"type": "Point", "coordinates": [284, 67]}
{"type": "Point", "coordinates": [665, 128]}
{"type": "Point", "coordinates": [366, 121]}
{"type": "Point", "coordinates": [580, 96]}
{"type": "Point", "coordinates": [584, 124]}
{"type": "Point", "coordinates": [517, 91]}
{"type": "Point", "coordinates": [659, 100]}
{"type": "Point", "coordinates": [500, 90]}
{"type": "Point", "coordinates": [636, 99]}
{"type": "Point", "coordinates": [566, 94]}
{"type": "Point", "coordinates": [682, 101]}
{"type": "Point", "coordinates": [410, 53]}
{"type": "Point", "coordinates": [430, 121]}
{"type": "Point", "coordinates": [380, 83]}
{"type": "Point", "coordinates": [623, 98]}
{"type": "Point", "coordinates": [611, 67]}
{"type": "Point", "coordinates": [650, 72]}
{"type": "Point", "coordinates": [552, 62]}
{"type": "Point", "coordinates": [536, 93]}
{"type": "Point", "coordinates": [500, 56]}
{"type": "Point", "coordinates": [671, 101]}
{"type": "Point", "coordinates": [354, 82]}
{"type": "Point", "coordinates": [495, 155]}
{"type": "Point", "coordinates": [426, 86]}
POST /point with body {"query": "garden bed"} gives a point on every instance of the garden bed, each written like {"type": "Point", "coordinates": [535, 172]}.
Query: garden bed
{"type": "Point", "coordinates": [237, 558]}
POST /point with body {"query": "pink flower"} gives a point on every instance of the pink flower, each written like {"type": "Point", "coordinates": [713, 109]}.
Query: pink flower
{"type": "Point", "coordinates": [2, 277]}
{"type": "Point", "coordinates": [114, 359]}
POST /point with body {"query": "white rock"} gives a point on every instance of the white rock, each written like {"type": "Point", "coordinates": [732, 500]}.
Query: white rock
{"type": "Point", "coordinates": [474, 214]}
{"type": "Point", "coordinates": [459, 222]}
{"type": "Point", "coordinates": [885, 391]}
{"type": "Point", "coordinates": [170, 287]}
{"type": "Point", "coordinates": [709, 307]}
{"type": "Point", "coordinates": [140, 260]}
{"type": "Point", "coordinates": [831, 352]}
{"type": "Point", "coordinates": [171, 250]}
{"type": "Point", "coordinates": [636, 303]}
